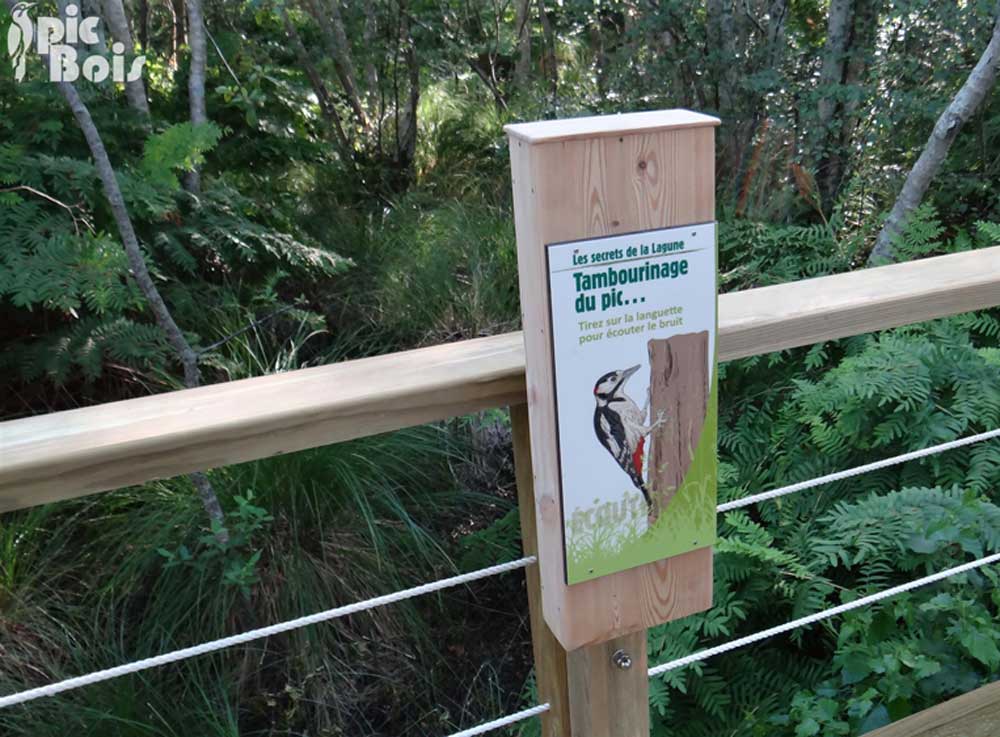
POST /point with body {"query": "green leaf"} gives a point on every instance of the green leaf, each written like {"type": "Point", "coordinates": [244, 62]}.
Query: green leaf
{"type": "Point", "coordinates": [877, 717]}
{"type": "Point", "coordinates": [855, 667]}
{"type": "Point", "coordinates": [982, 646]}
{"type": "Point", "coordinates": [181, 147]}
{"type": "Point", "coordinates": [807, 728]}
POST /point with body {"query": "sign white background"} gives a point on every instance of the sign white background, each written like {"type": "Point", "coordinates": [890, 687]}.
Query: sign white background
{"type": "Point", "coordinates": [590, 476]}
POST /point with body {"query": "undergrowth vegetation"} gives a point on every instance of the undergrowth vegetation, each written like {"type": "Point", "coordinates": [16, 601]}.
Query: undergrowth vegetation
{"type": "Point", "coordinates": [337, 225]}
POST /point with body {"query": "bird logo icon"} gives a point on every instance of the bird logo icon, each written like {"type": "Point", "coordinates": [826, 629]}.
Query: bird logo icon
{"type": "Point", "coordinates": [19, 37]}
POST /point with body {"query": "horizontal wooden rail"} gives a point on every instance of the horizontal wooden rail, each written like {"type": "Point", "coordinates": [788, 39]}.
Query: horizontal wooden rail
{"type": "Point", "coordinates": [68, 454]}
{"type": "Point", "coordinates": [975, 714]}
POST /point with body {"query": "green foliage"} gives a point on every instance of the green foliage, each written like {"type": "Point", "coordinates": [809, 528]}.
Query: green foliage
{"type": "Point", "coordinates": [753, 254]}
{"type": "Point", "coordinates": [918, 648]}
{"type": "Point", "coordinates": [433, 274]}
{"type": "Point", "coordinates": [498, 543]}
{"type": "Point", "coordinates": [65, 286]}
{"type": "Point", "coordinates": [223, 225]}
{"type": "Point", "coordinates": [815, 411]}
{"type": "Point", "coordinates": [178, 148]}
{"type": "Point", "coordinates": [227, 548]}
{"type": "Point", "coordinates": [990, 232]}
{"type": "Point", "coordinates": [303, 249]}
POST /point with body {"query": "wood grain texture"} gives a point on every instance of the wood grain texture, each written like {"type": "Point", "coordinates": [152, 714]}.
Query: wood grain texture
{"type": "Point", "coordinates": [975, 714]}
{"type": "Point", "coordinates": [783, 316]}
{"type": "Point", "coordinates": [551, 675]}
{"type": "Point", "coordinates": [68, 454]}
{"type": "Point", "coordinates": [605, 700]}
{"type": "Point", "coordinates": [571, 189]}
{"type": "Point", "coordinates": [678, 390]}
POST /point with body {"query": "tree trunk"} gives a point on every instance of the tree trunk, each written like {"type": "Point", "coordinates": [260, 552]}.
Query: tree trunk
{"type": "Point", "coordinates": [326, 102]}
{"type": "Point", "coordinates": [90, 9]}
{"type": "Point", "coordinates": [196, 80]}
{"type": "Point", "coordinates": [407, 122]}
{"type": "Point", "coordinates": [839, 125]}
{"type": "Point", "coordinates": [678, 389]}
{"type": "Point", "coordinates": [862, 41]}
{"type": "Point", "coordinates": [834, 55]}
{"type": "Point", "coordinates": [331, 24]}
{"type": "Point", "coordinates": [549, 64]}
{"type": "Point", "coordinates": [522, 26]}
{"type": "Point", "coordinates": [368, 37]}
{"type": "Point", "coordinates": [831, 77]}
{"type": "Point", "coordinates": [179, 30]}
{"type": "Point", "coordinates": [144, 25]}
{"type": "Point", "coordinates": [137, 266]}
{"type": "Point", "coordinates": [777, 13]}
{"type": "Point", "coordinates": [962, 107]}
{"type": "Point", "coordinates": [721, 51]}
{"type": "Point", "coordinates": [135, 91]}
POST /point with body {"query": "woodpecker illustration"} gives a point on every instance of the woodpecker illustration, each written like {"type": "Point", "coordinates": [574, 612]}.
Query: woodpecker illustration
{"type": "Point", "coordinates": [19, 36]}
{"type": "Point", "coordinates": [621, 426]}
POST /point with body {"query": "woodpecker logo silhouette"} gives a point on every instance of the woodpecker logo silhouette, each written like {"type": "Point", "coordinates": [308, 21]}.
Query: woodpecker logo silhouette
{"type": "Point", "coordinates": [60, 40]}
{"type": "Point", "coordinates": [19, 38]}
{"type": "Point", "coordinates": [621, 426]}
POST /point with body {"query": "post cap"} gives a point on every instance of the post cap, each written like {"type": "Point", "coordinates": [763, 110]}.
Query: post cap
{"type": "Point", "coordinates": [595, 126]}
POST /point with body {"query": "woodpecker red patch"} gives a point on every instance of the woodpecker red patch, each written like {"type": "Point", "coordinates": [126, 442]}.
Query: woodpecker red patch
{"type": "Point", "coordinates": [637, 456]}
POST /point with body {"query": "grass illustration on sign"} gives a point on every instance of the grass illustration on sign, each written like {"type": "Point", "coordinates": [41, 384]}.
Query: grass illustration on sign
{"type": "Point", "coordinates": [614, 536]}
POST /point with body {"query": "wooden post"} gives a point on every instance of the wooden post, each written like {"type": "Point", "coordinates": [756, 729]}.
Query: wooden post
{"type": "Point", "coordinates": [606, 698]}
{"type": "Point", "coordinates": [550, 658]}
{"type": "Point", "coordinates": [586, 178]}
{"type": "Point", "coordinates": [679, 390]}
{"type": "Point", "coordinates": [588, 693]}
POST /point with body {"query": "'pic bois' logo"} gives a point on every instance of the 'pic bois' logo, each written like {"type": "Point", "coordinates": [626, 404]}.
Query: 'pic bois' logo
{"type": "Point", "coordinates": [61, 42]}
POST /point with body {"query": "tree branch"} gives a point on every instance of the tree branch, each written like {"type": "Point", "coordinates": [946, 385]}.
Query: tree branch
{"type": "Point", "coordinates": [68, 208]}
{"type": "Point", "coordinates": [140, 272]}
{"type": "Point", "coordinates": [962, 107]}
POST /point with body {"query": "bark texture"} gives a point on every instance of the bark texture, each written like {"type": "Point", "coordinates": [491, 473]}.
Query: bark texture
{"type": "Point", "coordinates": [89, 9]}
{"type": "Point", "coordinates": [196, 80]}
{"type": "Point", "coordinates": [722, 45]}
{"type": "Point", "coordinates": [117, 20]}
{"type": "Point", "coordinates": [522, 27]}
{"type": "Point", "coordinates": [777, 14]}
{"type": "Point", "coordinates": [852, 30]}
{"type": "Point", "coordinates": [834, 55]}
{"type": "Point", "coordinates": [178, 35]}
{"type": "Point", "coordinates": [331, 24]}
{"type": "Point", "coordinates": [962, 107]}
{"type": "Point", "coordinates": [406, 125]}
{"type": "Point", "coordinates": [137, 266]}
{"type": "Point", "coordinates": [833, 69]}
{"type": "Point", "coordinates": [323, 96]}
{"type": "Point", "coordinates": [144, 24]}
{"type": "Point", "coordinates": [368, 37]}
{"type": "Point", "coordinates": [550, 66]}
{"type": "Point", "coordinates": [678, 388]}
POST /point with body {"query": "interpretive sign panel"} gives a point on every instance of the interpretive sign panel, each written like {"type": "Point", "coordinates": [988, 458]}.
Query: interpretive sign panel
{"type": "Point", "coordinates": [633, 346]}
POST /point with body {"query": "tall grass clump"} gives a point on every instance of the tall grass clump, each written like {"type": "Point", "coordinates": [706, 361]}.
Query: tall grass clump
{"type": "Point", "coordinates": [93, 582]}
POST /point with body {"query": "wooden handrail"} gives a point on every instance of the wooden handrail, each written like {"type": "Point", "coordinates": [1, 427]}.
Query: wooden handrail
{"type": "Point", "coordinates": [68, 454]}
{"type": "Point", "coordinates": [974, 714]}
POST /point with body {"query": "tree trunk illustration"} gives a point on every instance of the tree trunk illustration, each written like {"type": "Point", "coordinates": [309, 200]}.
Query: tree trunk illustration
{"type": "Point", "coordinates": [678, 387]}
